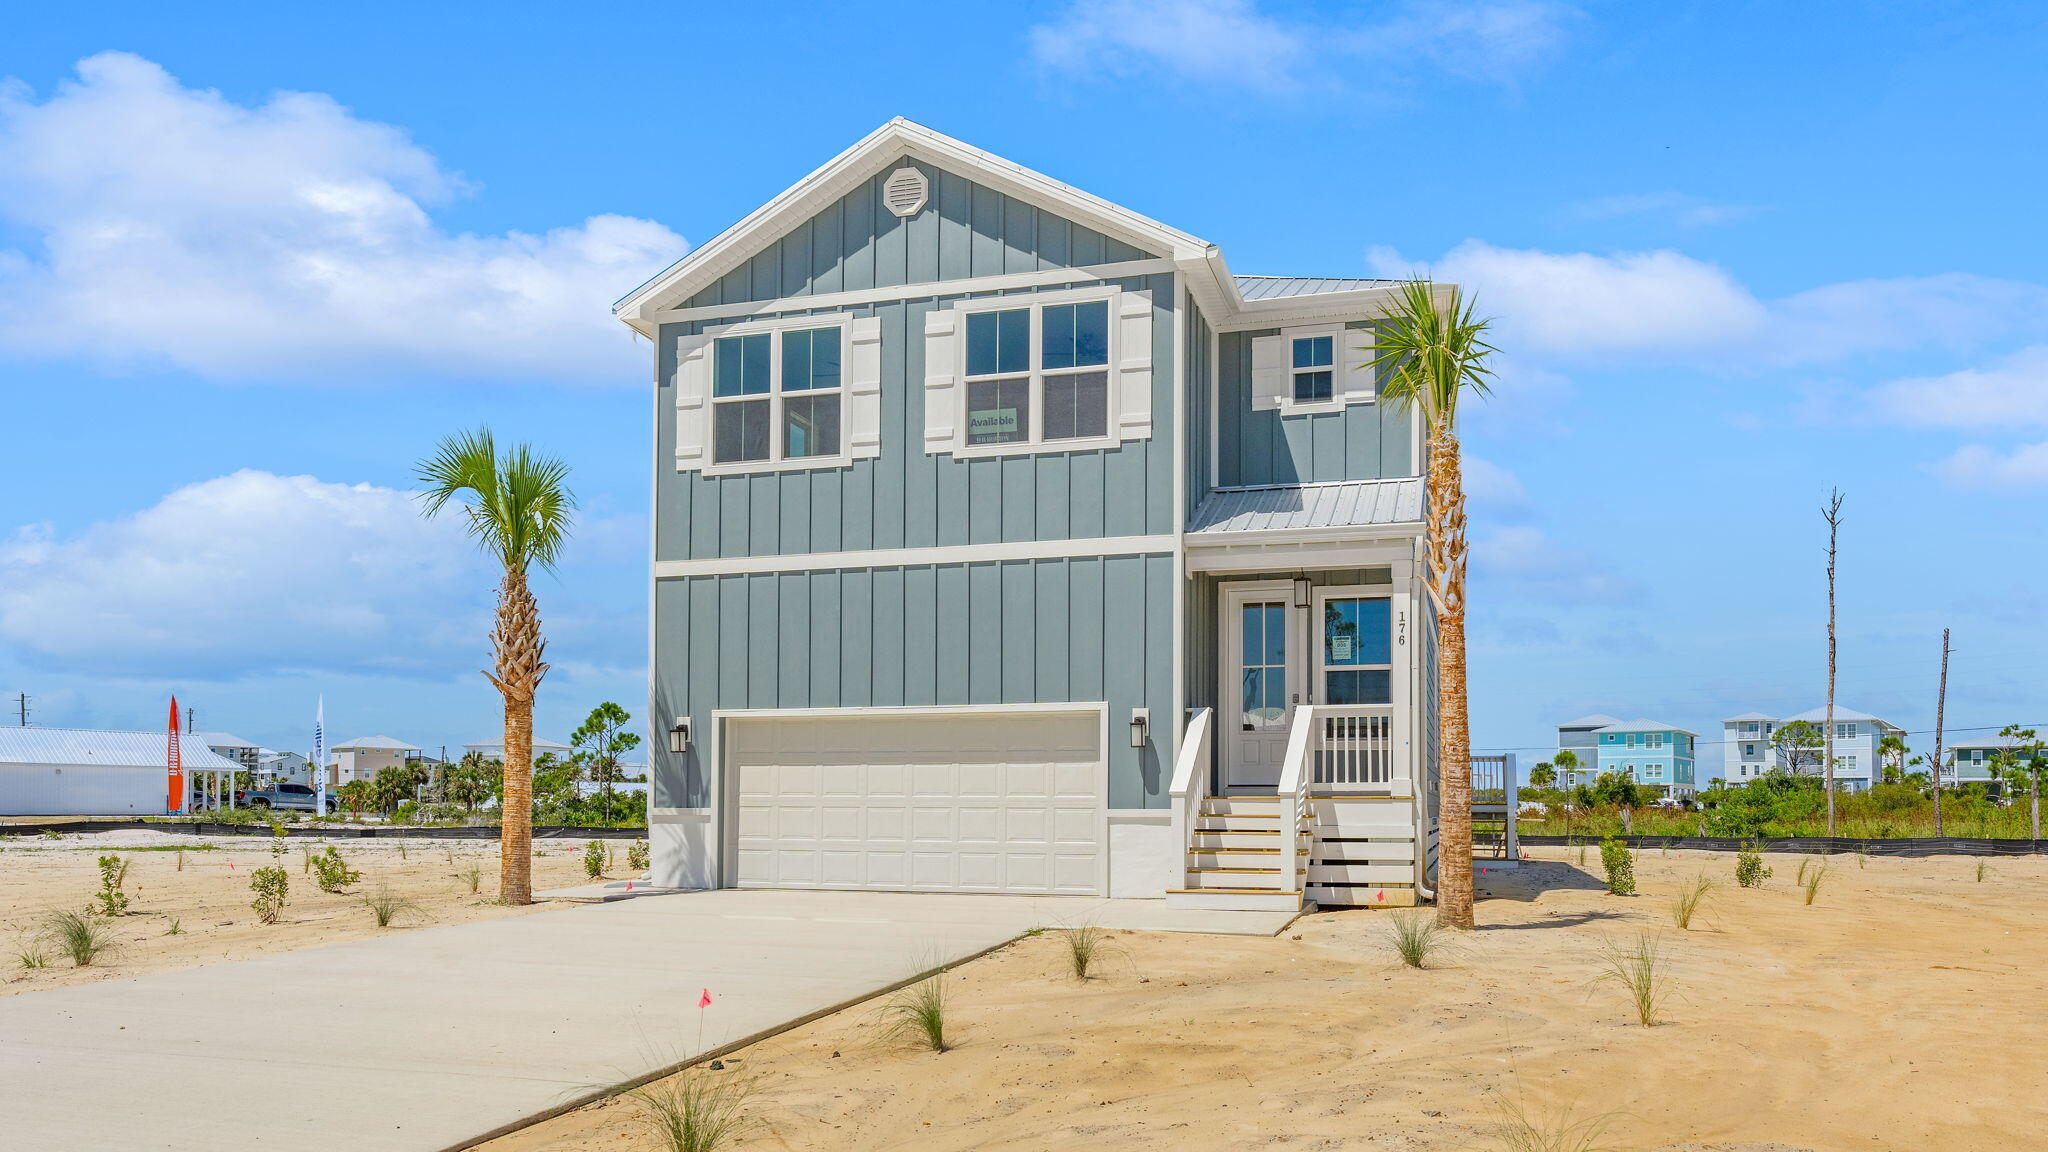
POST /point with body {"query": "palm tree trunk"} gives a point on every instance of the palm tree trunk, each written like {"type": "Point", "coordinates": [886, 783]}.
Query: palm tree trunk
{"type": "Point", "coordinates": [1446, 546]}
{"type": "Point", "coordinates": [518, 645]}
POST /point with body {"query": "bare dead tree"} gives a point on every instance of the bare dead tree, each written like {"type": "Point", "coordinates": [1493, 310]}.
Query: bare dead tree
{"type": "Point", "coordinates": [1832, 513]}
{"type": "Point", "coordinates": [1940, 711]}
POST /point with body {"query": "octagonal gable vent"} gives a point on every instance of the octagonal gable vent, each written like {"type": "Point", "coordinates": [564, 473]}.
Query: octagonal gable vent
{"type": "Point", "coordinates": [906, 191]}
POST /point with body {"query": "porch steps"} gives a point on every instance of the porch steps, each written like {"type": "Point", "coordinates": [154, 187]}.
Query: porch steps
{"type": "Point", "coordinates": [1234, 860]}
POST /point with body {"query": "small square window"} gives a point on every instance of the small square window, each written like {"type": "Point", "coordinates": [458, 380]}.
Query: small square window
{"type": "Point", "coordinates": [740, 432]}
{"type": "Point", "coordinates": [1312, 386]}
{"type": "Point", "coordinates": [810, 426]}
{"type": "Point", "coordinates": [1314, 352]}
{"type": "Point", "coordinates": [1076, 405]}
{"type": "Point", "coordinates": [742, 365]}
{"type": "Point", "coordinates": [999, 342]}
{"type": "Point", "coordinates": [810, 360]}
{"type": "Point", "coordinates": [999, 411]}
{"type": "Point", "coordinates": [1075, 335]}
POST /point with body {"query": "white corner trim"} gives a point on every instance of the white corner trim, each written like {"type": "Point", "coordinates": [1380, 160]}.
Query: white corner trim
{"type": "Point", "coordinates": [919, 557]}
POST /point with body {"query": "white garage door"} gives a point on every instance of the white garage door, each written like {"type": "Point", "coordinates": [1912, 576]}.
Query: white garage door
{"type": "Point", "coordinates": [957, 802]}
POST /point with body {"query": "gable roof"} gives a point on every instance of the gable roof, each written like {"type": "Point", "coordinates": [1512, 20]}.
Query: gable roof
{"type": "Point", "coordinates": [222, 740]}
{"type": "Point", "coordinates": [1596, 720]}
{"type": "Point", "coordinates": [1746, 717]}
{"type": "Point", "coordinates": [1820, 715]}
{"type": "Point", "coordinates": [373, 744]}
{"type": "Point", "coordinates": [106, 746]}
{"type": "Point", "coordinates": [1645, 724]}
{"type": "Point", "coordinates": [1220, 295]}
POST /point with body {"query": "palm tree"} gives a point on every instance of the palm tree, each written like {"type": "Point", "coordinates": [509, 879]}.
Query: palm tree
{"type": "Point", "coordinates": [1429, 357]}
{"type": "Point", "coordinates": [1891, 752]}
{"type": "Point", "coordinates": [518, 507]}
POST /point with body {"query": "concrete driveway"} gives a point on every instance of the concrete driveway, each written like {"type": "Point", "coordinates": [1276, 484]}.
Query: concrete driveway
{"type": "Point", "coordinates": [434, 1039]}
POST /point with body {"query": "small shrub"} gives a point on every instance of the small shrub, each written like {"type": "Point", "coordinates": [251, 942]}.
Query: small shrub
{"type": "Point", "coordinates": [1639, 969]}
{"type": "Point", "coordinates": [1691, 895]}
{"type": "Point", "coordinates": [111, 900]}
{"type": "Point", "coordinates": [696, 1111]}
{"type": "Point", "coordinates": [1983, 870]}
{"type": "Point", "coordinates": [594, 859]}
{"type": "Point", "coordinates": [80, 935]}
{"type": "Point", "coordinates": [1749, 868]}
{"type": "Point", "coordinates": [918, 1014]}
{"type": "Point", "coordinates": [386, 906]}
{"type": "Point", "coordinates": [1085, 945]}
{"type": "Point", "coordinates": [331, 872]}
{"type": "Point", "coordinates": [175, 929]}
{"type": "Point", "coordinates": [1620, 865]}
{"type": "Point", "coordinates": [1812, 878]}
{"type": "Point", "coordinates": [1415, 936]}
{"type": "Point", "coordinates": [639, 856]}
{"type": "Point", "coordinates": [272, 884]}
{"type": "Point", "coordinates": [474, 876]}
{"type": "Point", "coordinates": [1520, 1131]}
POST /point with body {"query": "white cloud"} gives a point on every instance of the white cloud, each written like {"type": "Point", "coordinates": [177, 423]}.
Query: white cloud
{"type": "Point", "coordinates": [2013, 391]}
{"type": "Point", "coordinates": [283, 239]}
{"type": "Point", "coordinates": [250, 573]}
{"type": "Point", "coordinates": [1524, 556]}
{"type": "Point", "coordinates": [1954, 311]}
{"type": "Point", "coordinates": [1977, 465]}
{"type": "Point", "coordinates": [1235, 43]}
{"type": "Point", "coordinates": [1579, 302]}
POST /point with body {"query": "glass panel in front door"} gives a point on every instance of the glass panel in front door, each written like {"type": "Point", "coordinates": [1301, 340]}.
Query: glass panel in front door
{"type": "Point", "coordinates": [1358, 651]}
{"type": "Point", "coordinates": [1263, 703]}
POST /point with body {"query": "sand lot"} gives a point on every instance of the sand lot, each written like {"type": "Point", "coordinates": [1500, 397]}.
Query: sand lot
{"type": "Point", "coordinates": [1901, 1011]}
{"type": "Point", "coordinates": [209, 899]}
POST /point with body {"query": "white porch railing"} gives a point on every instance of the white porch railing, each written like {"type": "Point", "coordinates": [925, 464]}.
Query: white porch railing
{"type": "Point", "coordinates": [1296, 776]}
{"type": "Point", "coordinates": [1191, 775]}
{"type": "Point", "coordinates": [1354, 748]}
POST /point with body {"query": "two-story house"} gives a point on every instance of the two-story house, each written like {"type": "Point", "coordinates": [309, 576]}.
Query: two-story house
{"type": "Point", "coordinates": [1650, 752]}
{"type": "Point", "coordinates": [1749, 751]}
{"type": "Point", "coordinates": [1974, 760]}
{"type": "Point", "coordinates": [1006, 541]}
{"type": "Point", "coordinates": [1578, 737]}
{"type": "Point", "coordinates": [365, 756]}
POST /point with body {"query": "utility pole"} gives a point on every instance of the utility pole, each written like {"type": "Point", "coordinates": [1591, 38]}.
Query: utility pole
{"type": "Point", "coordinates": [21, 701]}
{"type": "Point", "coordinates": [188, 721]}
{"type": "Point", "coordinates": [1940, 711]}
{"type": "Point", "coordinates": [1833, 515]}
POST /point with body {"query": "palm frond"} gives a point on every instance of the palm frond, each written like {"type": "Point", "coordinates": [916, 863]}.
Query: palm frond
{"type": "Point", "coordinates": [517, 503]}
{"type": "Point", "coordinates": [1429, 354]}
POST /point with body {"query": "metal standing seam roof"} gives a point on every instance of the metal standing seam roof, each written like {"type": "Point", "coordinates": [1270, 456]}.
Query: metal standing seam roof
{"type": "Point", "coordinates": [1273, 287]}
{"type": "Point", "coordinates": [222, 740]}
{"type": "Point", "coordinates": [373, 744]}
{"type": "Point", "coordinates": [1351, 503]}
{"type": "Point", "coordinates": [1596, 720]}
{"type": "Point", "coordinates": [101, 746]}
{"type": "Point", "coordinates": [1644, 724]}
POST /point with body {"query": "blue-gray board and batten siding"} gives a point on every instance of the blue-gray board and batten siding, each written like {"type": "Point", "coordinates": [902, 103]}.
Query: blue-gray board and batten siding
{"type": "Point", "coordinates": [1359, 442]}
{"type": "Point", "coordinates": [1032, 631]}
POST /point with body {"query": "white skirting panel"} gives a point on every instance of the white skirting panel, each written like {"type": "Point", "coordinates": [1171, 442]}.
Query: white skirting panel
{"type": "Point", "coordinates": [681, 849]}
{"type": "Point", "coordinates": [1144, 858]}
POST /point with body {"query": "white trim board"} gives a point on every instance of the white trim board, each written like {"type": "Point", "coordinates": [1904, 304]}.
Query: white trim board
{"type": "Point", "coordinates": [918, 557]}
{"type": "Point", "coordinates": [923, 290]}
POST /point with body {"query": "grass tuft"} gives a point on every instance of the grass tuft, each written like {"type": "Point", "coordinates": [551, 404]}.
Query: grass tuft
{"type": "Point", "coordinates": [918, 1014]}
{"type": "Point", "coordinates": [386, 906]}
{"type": "Point", "coordinates": [80, 935]}
{"type": "Point", "coordinates": [31, 955]}
{"type": "Point", "coordinates": [1811, 878]}
{"type": "Point", "coordinates": [1085, 946]}
{"type": "Point", "coordinates": [695, 1111]}
{"type": "Point", "coordinates": [1518, 1130]}
{"type": "Point", "coordinates": [1691, 895]}
{"type": "Point", "coordinates": [1983, 870]}
{"type": "Point", "coordinates": [474, 876]}
{"type": "Point", "coordinates": [1638, 968]}
{"type": "Point", "coordinates": [1415, 937]}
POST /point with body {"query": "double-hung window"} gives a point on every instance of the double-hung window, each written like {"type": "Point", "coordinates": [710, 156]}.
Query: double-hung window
{"type": "Point", "coordinates": [1315, 368]}
{"type": "Point", "coordinates": [776, 396]}
{"type": "Point", "coordinates": [1037, 375]}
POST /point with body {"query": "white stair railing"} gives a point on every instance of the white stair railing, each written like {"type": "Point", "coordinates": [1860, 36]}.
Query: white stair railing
{"type": "Point", "coordinates": [1191, 776]}
{"type": "Point", "coordinates": [1296, 775]}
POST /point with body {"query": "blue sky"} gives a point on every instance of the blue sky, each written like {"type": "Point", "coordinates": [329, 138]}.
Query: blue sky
{"type": "Point", "coordinates": [254, 261]}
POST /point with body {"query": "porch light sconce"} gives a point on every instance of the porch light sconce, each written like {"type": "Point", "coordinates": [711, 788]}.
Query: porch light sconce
{"type": "Point", "coordinates": [679, 737]}
{"type": "Point", "coordinates": [1141, 722]}
{"type": "Point", "coordinates": [1302, 592]}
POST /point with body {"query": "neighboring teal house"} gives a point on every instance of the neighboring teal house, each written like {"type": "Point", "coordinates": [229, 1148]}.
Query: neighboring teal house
{"type": "Point", "coordinates": [1006, 541]}
{"type": "Point", "coordinates": [1650, 752]}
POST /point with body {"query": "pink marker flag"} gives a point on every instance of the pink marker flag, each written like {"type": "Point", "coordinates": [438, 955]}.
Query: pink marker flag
{"type": "Point", "coordinates": [704, 1000]}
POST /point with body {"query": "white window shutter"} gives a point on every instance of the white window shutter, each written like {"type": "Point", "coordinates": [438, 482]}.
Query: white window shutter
{"type": "Point", "coordinates": [864, 388]}
{"type": "Point", "coordinates": [1134, 365]}
{"type": "Point", "coordinates": [941, 378]}
{"type": "Point", "coordinates": [1269, 371]}
{"type": "Point", "coordinates": [1355, 377]}
{"type": "Point", "coordinates": [693, 401]}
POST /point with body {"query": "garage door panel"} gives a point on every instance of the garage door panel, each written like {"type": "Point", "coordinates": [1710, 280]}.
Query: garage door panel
{"type": "Point", "coordinates": [990, 802]}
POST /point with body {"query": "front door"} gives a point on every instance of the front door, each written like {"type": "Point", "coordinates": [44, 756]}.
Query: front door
{"type": "Point", "coordinates": [1262, 682]}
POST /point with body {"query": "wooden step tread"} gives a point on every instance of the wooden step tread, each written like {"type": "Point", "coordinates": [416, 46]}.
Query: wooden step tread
{"type": "Point", "coordinates": [1231, 891]}
{"type": "Point", "coordinates": [1237, 871]}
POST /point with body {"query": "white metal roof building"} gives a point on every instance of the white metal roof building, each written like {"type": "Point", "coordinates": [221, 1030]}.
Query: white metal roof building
{"type": "Point", "coordinates": [96, 772]}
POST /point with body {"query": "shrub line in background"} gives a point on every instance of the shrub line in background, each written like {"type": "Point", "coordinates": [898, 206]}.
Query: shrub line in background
{"type": "Point", "coordinates": [1897, 846]}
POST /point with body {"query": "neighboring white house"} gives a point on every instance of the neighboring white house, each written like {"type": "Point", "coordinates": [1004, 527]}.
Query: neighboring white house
{"type": "Point", "coordinates": [1748, 753]}
{"type": "Point", "coordinates": [283, 768]}
{"type": "Point", "coordinates": [363, 758]}
{"type": "Point", "coordinates": [96, 772]}
{"type": "Point", "coordinates": [229, 746]}
{"type": "Point", "coordinates": [542, 746]}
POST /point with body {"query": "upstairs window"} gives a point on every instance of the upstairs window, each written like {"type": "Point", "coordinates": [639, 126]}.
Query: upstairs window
{"type": "Point", "coordinates": [775, 396]}
{"type": "Point", "coordinates": [1315, 361]}
{"type": "Point", "coordinates": [1038, 375]}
